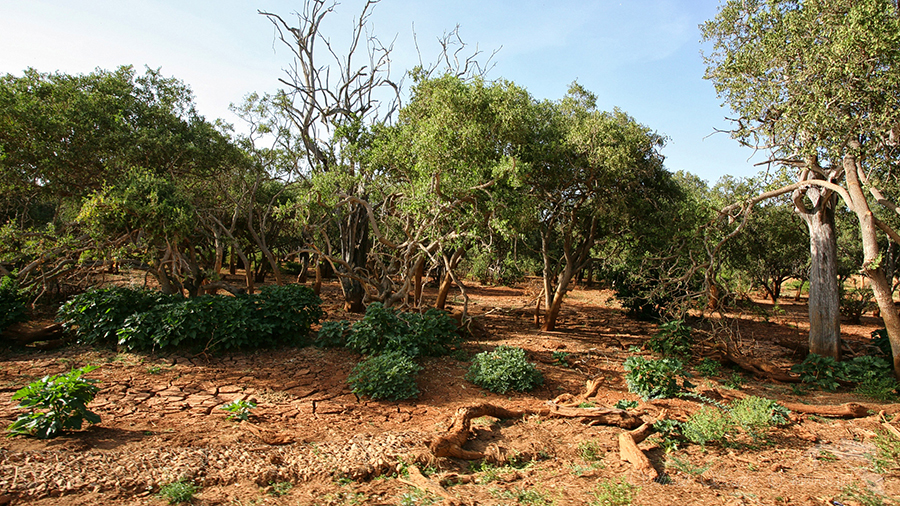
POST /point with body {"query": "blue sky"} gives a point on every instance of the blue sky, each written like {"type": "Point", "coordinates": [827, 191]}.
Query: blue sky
{"type": "Point", "coordinates": [642, 56]}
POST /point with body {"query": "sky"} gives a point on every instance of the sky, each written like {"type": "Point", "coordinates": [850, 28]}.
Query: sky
{"type": "Point", "coordinates": [642, 56]}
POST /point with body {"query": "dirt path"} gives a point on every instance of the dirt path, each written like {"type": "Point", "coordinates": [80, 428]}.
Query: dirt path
{"type": "Point", "coordinates": [312, 441]}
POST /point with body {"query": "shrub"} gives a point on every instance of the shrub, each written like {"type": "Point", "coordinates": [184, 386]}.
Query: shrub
{"type": "Point", "coordinates": [706, 425]}
{"type": "Point", "coordinates": [179, 491]}
{"type": "Point", "coordinates": [332, 334]}
{"type": "Point", "coordinates": [884, 389]}
{"type": "Point", "coordinates": [820, 371]}
{"type": "Point", "coordinates": [383, 329]}
{"type": "Point", "coordinates": [614, 493]}
{"type": "Point", "coordinates": [506, 368]}
{"type": "Point", "coordinates": [708, 368]}
{"type": "Point", "coordinates": [672, 340]}
{"type": "Point", "coordinates": [855, 302]}
{"type": "Point", "coordinates": [716, 423]}
{"type": "Point", "coordinates": [64, 397]}
{"type": "Point", "coordinates": [278, 315]}
{"type": "Point", "coordinates": [390, 376]}
{"type": "Point", "coordinates": [96, 316]}
{"type": "Point", "coordinates": [12, 303]}
{"type": "Point", "coordinates": [864, 367]}
{"type": "Point", "coordinates": [654, 379]}
{"type": "Point", "coordinates": [882, 342]}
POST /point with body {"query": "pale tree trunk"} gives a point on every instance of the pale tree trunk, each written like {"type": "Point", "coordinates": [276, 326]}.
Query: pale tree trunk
{"type": "Point", "coordinates": [881, 286]}
{"type": "Point", "coordinates": [824, 293]}
{"type": "Point", "coordinates": [447, 281]}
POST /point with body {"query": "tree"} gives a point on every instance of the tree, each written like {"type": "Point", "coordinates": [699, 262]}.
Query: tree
{"type": "Point", "coordinates": [816, 82]}
{"type": "Point", "coordinates": [592, 176]}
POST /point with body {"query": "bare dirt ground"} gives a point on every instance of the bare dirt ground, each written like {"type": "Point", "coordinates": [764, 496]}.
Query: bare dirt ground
{"type": "Point", "coordinates": [312, 441]}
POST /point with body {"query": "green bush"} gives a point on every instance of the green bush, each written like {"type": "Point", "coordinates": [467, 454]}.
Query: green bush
{"type": "Point", "coordinates": [855, 302]}
{"type": "Point", "coordinates": [239, 410]}
{"type": "Point", "coordinates": [96, 316]}
{"type": "Point", "coordinates": [64, 397]}
{"type": "Point", "coordinates": [707, 425]}
{"type": "Point", "coordinates": [390, 376]}
{"type": "Point", "coordinates": [820, 371]}
{"type": "Point", "coordinates": [672, 340]}
{"type": "Point", "coordinates": [506, 368]}
{"type": "Point", "coordinates": [145, 320]}
{"type": "Point", "coordinates": [12, 303]}
{"type": "Point", "coordinates": [654, 379]}
{"type": "Point", "coordinates": [719, 423]}
{"type": "Point", "coordinates": [882, 342]}
{"type": "Point", "coordinates": [179, 491]}
{"type": "Point", "coordinates": [383, 330]}
{"type": "Point", "coordinates": [332, 334]}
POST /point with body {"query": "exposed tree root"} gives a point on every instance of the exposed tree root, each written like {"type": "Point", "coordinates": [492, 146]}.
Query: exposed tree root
{"type": "Point", "coordinates": [451, 443]}
{"type": "Point", "coordinates": [418, 480]}
{"type": "Point", "coordinates": [50, 337]}
{"type": "Point", "coordinates": [848, 410]}
{"type": "Point", "coordinates": [629, 452]}
{"type": "Point", "coordinates": [569, 400]}
{"type": "Point", "coordinates": [730, 355]}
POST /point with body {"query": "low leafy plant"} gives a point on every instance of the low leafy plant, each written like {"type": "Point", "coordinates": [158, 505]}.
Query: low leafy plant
{"type": "Point", "coordinates": [717, 422]}
{"type": "Point", "coordinates": [882, 342]}
{"type": "Point", "coordinates": [707, 425]}
{"type": "Point", "coordinates": [708, 368]}
{"type": "Point", "coordinates": [560, 358]}
{"type": "Point", "coordinates": [614, 493]}
{"type": "Point", "coordinates": [12, 303]}
{"type": "Point", "coordinates": [333, 334]}
{"type": "Point", "coordinates": [96, 316]}
{"type": "Point", "coordinates": [887, 455]}
{"type": "Point", "coordinates": [178, 491]}
{"type": "Point", "coordinates": [280, 488]}
{"type": "Point", "coordinates": [655, 379]}
{"type": "Point", "coordinates": [625, 404]}
{"type": "Point", "coordinates": [686, 467]}
{"type": "Point", "coordinates": [672, 340]}
{"type": "Point", "coordinates": [864, 367]}
{"type": "Point", "coordinates": [432, 333]}
{"type": "Point", "coordinates": [820, 371]}
{"type": "Point", "coordinates": [589, 451]}
{"type": "Point", "coordinates": [239, 410]}
{"type": "Point", "coordinates": [884, 389]}
{"type": "Point", "coordinates": [733, 381]}
{"type": "Point", "coordinates": [63, 399]}
{"type": "Point", "coordinates": [855, 302]}
{"type": "Point", "coordinates": [390, 376]}
{"type": "Point", "coordinates": [418, 497]}
{"type": "Point", "coordinates": [504, 369]}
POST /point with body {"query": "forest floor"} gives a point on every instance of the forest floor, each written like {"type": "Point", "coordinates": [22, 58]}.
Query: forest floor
{"type": "Point", "coordinates": [312, 441]}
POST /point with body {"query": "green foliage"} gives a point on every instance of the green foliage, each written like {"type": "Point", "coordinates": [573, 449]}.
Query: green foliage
{"type": "Point", "coordinates": [654, 379]}
{"type": "Point", "coordinates": [96, 316]}
{"type": "Point", "coordinates": [708, 368]}
{"type": "Point", "coordinates": [884, 389]}
{"type": "Point", "coordinates": [614, 493]}
{"type": "Point", "coordinates": [756, 413]}
{"type": "Point", "coordinates": [887, 456]}
{"type": "Point", "coordinates": [865, 367]}
{"type": "Point", "coordinates": [855, 302]}
{"type": "Point", "coordinates": [864, 496]}
{"type": "Point", "coordinates": [391, 376]}
{"type": "Point", "coordinates": [590, 451]}
{"type": "Point", "coordinates": [504, 369]}
{"type": "Point", "coordinates": [707, 425]}
{"type": "Point", "coordinates": [720, 423]}
{"type": "Point", "coordinates": [64, 397]}
{"type": "Point", "coordinates": [625, 404]}
{"type": "Point", "coordinates": [179, 491]}
{"type": "Point", "coordinates": [820, 371]}
{"type": "Point", "coordinates": [683, 466]}
{"type": "Point", "coordinates": [239, 410]}
{"type": "Point", "coordinates": [333, 334]}
{"type": "Point", "coordinates": [418, 497]}
{"type": "Point", "coordinates": [383, 330]}
{"type": "Point", "coordinates": [881, 340]}
{"type": "Point", "coordinates": [672, 340]}
{"type": "Point", "coordinates": [144, 320]}
{"type": "Point", "coordinates": [12, 303]}
{"type": "Point", "coordinates": [560, 358]}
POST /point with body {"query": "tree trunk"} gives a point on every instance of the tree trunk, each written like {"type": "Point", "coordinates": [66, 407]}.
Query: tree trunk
{"type": "Point", "coordinates": [355, 246]}
{"type": "Point", "coordinates": [881, 286]}
{"type": "Point", "coordinates": [419, 272]}
{"type": "Point", "coordinates": [824, 293]}
{"type": "Point", "coordinates": [447, 282]}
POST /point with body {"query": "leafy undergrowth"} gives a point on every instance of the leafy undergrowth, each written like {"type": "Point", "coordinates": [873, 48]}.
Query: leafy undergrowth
{"type": "Point", "coordinates": [309, 439]}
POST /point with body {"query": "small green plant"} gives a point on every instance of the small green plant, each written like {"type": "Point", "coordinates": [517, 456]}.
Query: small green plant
{"type": "Point", "coordinates": [523, 496]}
{"type": "Point", "coordinates": [614, 493]}
{"type": "Point", "coordinates": [625, 404]}
{"type": "Point", "coordinates": [418, 497]}
{"type": "Point", "coordinates": [587, 404]}
{"type": "Point", "coordinates": [390, 376]}
{"type": "Point", "coordinates": [178, 491]}
{"type": "Point", "coordinates": [239, 410]}
{"type": "Point", "coordinates": [887, 456]}
{"type": "Point", "coordinates": [672, 340]}
{"type": "Point", "coordinates": [154, 369]}
{"type": "Point", "coordinates": [560, 358]}
{"type": "Point", "coordinates": [864, 367]}
{"type": "Point", "coordinates": [654, 379]}
{"type": "Point", "coordinates": [12, 303]}
{"type": "Point", "coordinates": [708, 368]}
{"type": "Point", "coordinates": [884, 389]}
{"type": "Point", "coordinates": [819, 371]}
{"type": "Point", "coordinates": [64, 399]}
{"type": "Point", "coordinates": [855, 302]}
{"type": "Point", "coordinates": [589, 451]}
{"type": "Point", "coordinates": [504, 369]}
{"type": "Point", "coordinates": [280, 488]}
{"type": "Point", "coordinates": [733, 381]}
{"type": "Point", "coordinates": [686, 467]}
{"type": "Point", "coordinates": [707, 425]}
{"type": "Point", "coordinates": [333, 334]}
{"type": "Point", "coordinates": [865, 496]}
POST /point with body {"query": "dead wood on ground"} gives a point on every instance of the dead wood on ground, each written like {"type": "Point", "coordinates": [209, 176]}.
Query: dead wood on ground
{"type": "Point", "coordinates": [848, 410]}
{"type": "Point", "coordinates": [451, 443]}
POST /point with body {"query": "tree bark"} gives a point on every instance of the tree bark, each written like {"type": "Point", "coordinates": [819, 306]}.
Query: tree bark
{"type": "Point", "coordinates": [824, 292]}
{"type": "Point", "coordinates": [881, 286]}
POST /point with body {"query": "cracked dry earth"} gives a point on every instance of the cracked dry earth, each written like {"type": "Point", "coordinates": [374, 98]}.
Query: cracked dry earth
{"type": "Point", "coordinates": [312, 441]}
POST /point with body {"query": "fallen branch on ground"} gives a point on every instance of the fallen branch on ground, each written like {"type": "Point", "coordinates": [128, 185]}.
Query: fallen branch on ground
{"type": "Point", "coordinates": [848, 410]}
{"type": "Point", "coordinates": [451, 443]}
